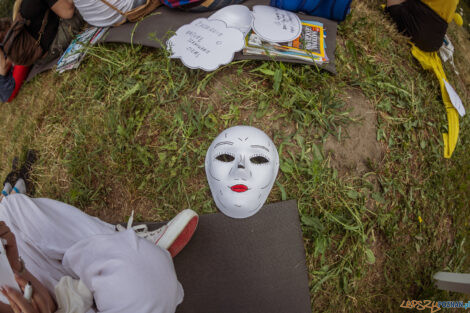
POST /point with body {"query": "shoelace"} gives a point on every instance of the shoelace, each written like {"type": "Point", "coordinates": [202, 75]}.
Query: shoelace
{"type": "Point", "coordinates": [140, 230]}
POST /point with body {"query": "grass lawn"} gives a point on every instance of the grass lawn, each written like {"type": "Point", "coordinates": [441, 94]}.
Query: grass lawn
{"type": "Point", "coordinates": [362, 152]}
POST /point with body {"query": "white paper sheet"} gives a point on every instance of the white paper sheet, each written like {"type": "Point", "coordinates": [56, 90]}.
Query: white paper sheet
{"type": "Point", "coordinates": [455, 99]}
{"type": "Point", "coordinates": [7, 278]}
{"type": "Point", "coordinates": [275, 25]}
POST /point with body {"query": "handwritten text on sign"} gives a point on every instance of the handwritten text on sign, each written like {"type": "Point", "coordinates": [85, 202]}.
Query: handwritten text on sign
{"type": "Point", "coordinates": [275, 25]}
{"type": "Point", "coordinates": [205, 44]}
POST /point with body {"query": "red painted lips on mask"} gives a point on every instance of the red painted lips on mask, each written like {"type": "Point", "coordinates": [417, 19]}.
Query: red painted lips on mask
{"type": "Point", "coordinates": [239, 188]}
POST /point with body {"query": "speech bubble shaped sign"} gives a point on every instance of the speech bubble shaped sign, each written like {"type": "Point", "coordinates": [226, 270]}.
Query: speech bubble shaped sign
{"type": "Point", "coordinates": [205, 44]}
{"type": "Point", "coordinates": [275, 25]}
{"type": "Point", "coordinates": [237, 16]}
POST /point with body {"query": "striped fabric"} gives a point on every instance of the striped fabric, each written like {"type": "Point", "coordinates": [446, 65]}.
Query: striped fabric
{"type": "Point", "coordinates": [200, 5]}
{"type": "Point", "coordinates": [178, 3]}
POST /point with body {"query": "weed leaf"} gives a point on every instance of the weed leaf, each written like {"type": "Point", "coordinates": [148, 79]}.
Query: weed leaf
{"type": "Point", "coordinates": [370, 257]}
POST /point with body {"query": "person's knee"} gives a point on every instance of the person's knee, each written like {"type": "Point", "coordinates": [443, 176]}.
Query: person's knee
{"type": "Point", "coordinates": [64, 9]}
{"type": "Point", "coordinates": [394, 2]}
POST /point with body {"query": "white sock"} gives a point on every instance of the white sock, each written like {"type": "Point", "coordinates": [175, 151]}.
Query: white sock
{"type": "Point", "coordinates": [6, 189]}
{"type": "Point", "coordinates": [20, 186]}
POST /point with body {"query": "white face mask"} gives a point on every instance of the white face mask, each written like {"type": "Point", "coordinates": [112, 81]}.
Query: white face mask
{"type": "Point", "coordinates": [241, 167]}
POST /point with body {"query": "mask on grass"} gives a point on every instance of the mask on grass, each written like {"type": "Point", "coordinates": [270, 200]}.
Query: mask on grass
{"type": "Point", "coordinates": [241, 167]}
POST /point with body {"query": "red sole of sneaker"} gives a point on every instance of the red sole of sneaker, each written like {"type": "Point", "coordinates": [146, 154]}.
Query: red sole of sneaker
{"type": "Point", "coordinates": [183, 237]}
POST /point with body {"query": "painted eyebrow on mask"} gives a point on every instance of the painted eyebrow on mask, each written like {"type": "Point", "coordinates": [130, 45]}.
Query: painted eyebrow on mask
{"type": "Point", "coordinates": [224, 143]}
{"type": "Point", "coordinates": [259, 146]}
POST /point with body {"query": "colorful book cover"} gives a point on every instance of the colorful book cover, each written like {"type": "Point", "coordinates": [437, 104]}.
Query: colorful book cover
{"type": "Point", "coordinates": [309, 46]}
{"type": "Point", "coordinates": [77, 49]}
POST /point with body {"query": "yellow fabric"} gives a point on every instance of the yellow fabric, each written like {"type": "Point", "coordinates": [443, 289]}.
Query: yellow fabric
{"type": "Point", "coordinates": [458, 19]}
{"type": "Point", "coordinates": [431, 61]}
{"type": "Point", "coordinates": [445, 8]}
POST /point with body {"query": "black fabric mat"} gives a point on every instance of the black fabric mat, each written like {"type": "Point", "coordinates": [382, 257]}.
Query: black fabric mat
{"type": "Point", "coordinates": [253, 265]}
{"type": "Point", "coordinates": [154, 30]}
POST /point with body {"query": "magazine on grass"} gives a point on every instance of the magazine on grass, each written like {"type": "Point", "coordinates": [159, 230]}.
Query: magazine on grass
{"type": "Point", "coordinates": [309, 46]}
{"type": "Point", "coordinates": [77, 49]}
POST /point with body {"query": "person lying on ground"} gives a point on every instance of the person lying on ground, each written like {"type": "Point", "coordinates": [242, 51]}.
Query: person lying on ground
{"type": "Point", "coordinates": [425, 21]}
{"type": "Point", "coordinates": [53, 23]}
{"type": "Point", "coordinates": [78, 263]}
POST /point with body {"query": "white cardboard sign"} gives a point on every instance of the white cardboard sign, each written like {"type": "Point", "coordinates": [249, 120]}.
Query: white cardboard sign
{"type": "Point", "coordinates": [237, 16]}
{"type": "Point", "coordinates": [455, 99]}
{"type": "Point", "coordinates": [205, 44]}
{"type": "Point", "coordinates": [275, 25]}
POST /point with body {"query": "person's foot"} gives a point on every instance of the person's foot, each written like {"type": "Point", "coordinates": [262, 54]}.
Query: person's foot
{"type": "Point", "coordinates": [11, 178]}
{"type": "Point", "coordinates": [6, 189]}
{"type": "Point", "coordinates": [173, 236]}
{"type": "Point", "coordinates": [20, 187]}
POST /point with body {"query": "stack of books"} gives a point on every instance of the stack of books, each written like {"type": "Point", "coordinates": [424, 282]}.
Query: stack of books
{"type": "Point", "coordinates": [310, 46]}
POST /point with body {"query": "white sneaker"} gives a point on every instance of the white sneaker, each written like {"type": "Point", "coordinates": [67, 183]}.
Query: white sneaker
{"type": "Point", "coordinates": [173, 236]}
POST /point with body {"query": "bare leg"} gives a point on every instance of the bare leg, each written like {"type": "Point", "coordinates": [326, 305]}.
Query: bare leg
{"type": "Point", "coordinates": [394, 2]}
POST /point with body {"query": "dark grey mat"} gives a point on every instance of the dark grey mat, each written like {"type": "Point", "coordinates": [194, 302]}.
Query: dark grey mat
{"type": "Point", "coordinates": [253, 265]}
{"type": "Point", "coordinates": [38, 69]}
{"type": "Point", "coordinates": [154, 29]}
{"type": "Point", "coordinates": [457, 282]}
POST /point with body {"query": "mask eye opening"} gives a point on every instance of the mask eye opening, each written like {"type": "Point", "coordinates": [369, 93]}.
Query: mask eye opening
{"type": "Point", "coordinates": [259, 159]}
{"type": "Point", "coordinates": [225, 157]}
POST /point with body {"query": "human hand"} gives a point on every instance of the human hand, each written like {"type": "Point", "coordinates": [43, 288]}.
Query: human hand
{"type": "Point", "coordinates": [39, 303]}
{"type": "Point", "coordinates": [10, 247]}
{"type": "Point", "coordinates": [5, 64]}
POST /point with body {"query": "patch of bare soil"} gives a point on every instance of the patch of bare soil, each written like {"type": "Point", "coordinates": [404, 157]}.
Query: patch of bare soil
{"type": "Point", "coordinates": [358, 147]}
